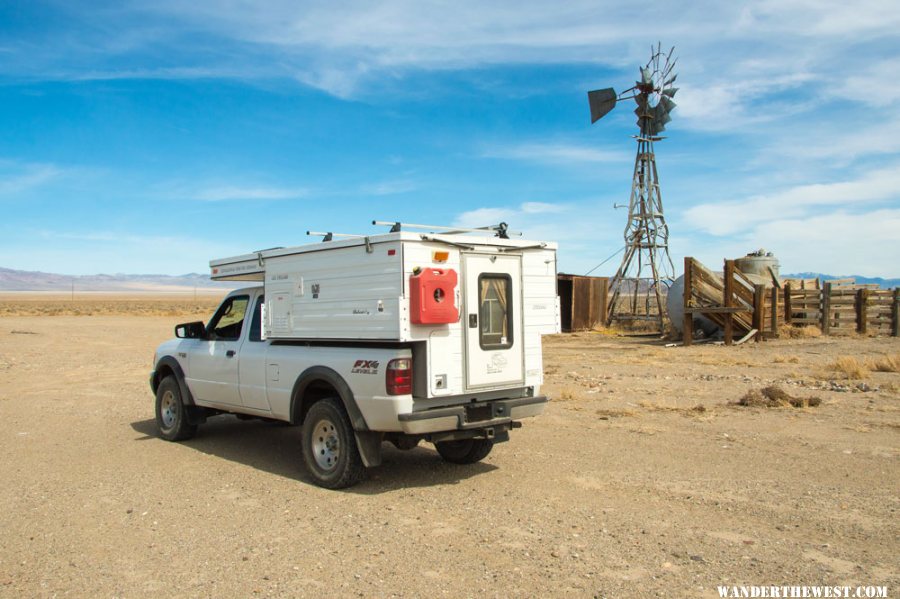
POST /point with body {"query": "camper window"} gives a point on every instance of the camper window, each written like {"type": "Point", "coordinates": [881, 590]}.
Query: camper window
{"type": "Point", "coordinates": [226, 324]}
{"type": "Point", "coordinates": [495, 311]}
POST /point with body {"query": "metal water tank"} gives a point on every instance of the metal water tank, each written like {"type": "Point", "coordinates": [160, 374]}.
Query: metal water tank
{"type": "Point", "coordinates": [759, 263]}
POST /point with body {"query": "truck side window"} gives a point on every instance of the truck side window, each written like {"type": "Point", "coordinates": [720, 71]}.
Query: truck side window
{"type": "Point", "coordinates": [495, 311]}
{"type": "Point", "coordinates": [256, 321]}
{"type": "Point", "coordinates": [226, 324]}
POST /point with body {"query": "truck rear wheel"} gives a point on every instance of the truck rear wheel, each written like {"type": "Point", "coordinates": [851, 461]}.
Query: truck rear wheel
{"type": "Point", "coordinates": [464, 451]}
{"type": "Point", "coordinates": [329, 446]}
{"type": "Point", "coordinates": [171, 416]}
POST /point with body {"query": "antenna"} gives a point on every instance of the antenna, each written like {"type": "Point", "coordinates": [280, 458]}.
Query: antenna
{"type": "Point", "coordinates": [646, 265]}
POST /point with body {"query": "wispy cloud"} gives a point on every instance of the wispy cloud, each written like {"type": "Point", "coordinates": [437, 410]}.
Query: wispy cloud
{"type": "Point", "coordinates": [726, 218]}
{"type": "Point", "coordinates": [388, 188]}
{"type": "Point", "coordinates": [227, 193]}
{"type": "Point", "coordinates": [16, 177]}
{"type": "Point", "coordinates": [555, 153]}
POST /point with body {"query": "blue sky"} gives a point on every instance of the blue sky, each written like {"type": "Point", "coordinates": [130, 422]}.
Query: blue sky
{"type": "Point", "coordinates": [150, 137]}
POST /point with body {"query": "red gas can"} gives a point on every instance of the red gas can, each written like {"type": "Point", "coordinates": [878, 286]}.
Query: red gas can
{"type": "Point", "coordinates": [432, 296]}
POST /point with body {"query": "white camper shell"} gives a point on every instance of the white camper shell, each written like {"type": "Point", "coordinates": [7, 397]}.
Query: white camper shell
{"type": "Point", "coordinates": [472, 308]}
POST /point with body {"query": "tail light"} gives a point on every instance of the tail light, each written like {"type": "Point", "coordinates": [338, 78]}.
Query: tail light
{"type": "Point", "coordinates": [398, 376]}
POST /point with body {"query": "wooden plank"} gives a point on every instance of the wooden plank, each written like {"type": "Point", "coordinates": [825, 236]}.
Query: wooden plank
{"type": "Point", "coordinates": [758, 309]}
{"type": "Point", "coordinates": [729, 299]}
{"type": "Point", "coordinates": [826, 309]}
{"type": "Point", "coordinates": [788, 307]}
{"type": "Point", "coordinates": [774, 314]}
{"type": "Point", "coordinates": [688, 322]}
{"type": "Point", "coordinates": [862, 300]}
{"type": "Point", "coordinates": [895, 314]}
{"type": "Point", "coordinates": [717, 310]}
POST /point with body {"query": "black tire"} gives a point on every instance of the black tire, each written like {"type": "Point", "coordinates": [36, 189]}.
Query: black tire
{"type": "Point", "coordinates": [464, 451]}
{"type": "Point", "coordinates": [171, 416]}
{"type": "Point", "coordinates": [329, 446]}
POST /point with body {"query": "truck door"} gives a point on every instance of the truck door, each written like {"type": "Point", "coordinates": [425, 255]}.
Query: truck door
{"type": "Point", "coordinates": [252, 367]}
{"type": "Point", "coordinates": [493, 320]}
{"type": "Point", "coordinates": [213, 363]}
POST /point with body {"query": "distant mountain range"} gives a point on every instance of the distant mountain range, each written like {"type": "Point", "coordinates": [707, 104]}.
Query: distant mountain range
{"type": "Point", "coordinates": [21, 280]}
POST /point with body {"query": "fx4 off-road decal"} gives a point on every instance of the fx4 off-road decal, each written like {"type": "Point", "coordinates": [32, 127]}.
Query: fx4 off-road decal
{"type": "Point", "coordinates": [365, 367]}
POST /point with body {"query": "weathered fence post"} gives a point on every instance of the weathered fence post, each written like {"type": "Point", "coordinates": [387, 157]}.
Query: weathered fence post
{"type": "Point", "coordinates": [826, 309]}
{"type": "Point", "coordinates": [787, 304]}
{"type": "Point", "coordinates": [862, 300]}
{"type": "Point", "coordinates": [774, 314]}
{"type": "Point", "coordinates": [729, 294]}
{"type": "Point", "coordinates": [759, 307]}
{"type": "Point", "coordinates": [895, 313]}
{"type": "Point", "coordinates": [688, 323]}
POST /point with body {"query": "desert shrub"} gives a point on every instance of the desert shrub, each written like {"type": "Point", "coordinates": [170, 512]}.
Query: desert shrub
{"type": "Point", "coordinates": [800, 332]}
{"type": "Point", "coordinates": [889, 363]}
{"type": "Point", "coordinates": [849, 367]}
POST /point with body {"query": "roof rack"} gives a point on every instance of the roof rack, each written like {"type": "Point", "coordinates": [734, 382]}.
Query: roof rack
{"type": "Point", "coordinates": [500, 230]}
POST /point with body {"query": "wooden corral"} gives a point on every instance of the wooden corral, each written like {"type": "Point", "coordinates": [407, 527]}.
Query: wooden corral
{"type": "Point", "coordinates": [582, 301]}
{"type": "Point", "coordinates": [741, 307]}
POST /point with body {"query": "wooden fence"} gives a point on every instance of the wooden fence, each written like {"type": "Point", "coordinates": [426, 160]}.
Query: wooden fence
{"type": "Point", "coordinates": [740, 306]}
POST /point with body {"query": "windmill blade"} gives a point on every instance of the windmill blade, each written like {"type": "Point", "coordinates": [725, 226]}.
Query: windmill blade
{"type": "Point", "coordinates": [669, 82]}
{"type": "Point", "coordinates": [601, 102]}
{"type": "Point", "coordinates": [670, 91]}
{"type": "Point", "coordinates": [669, 68]}
{"type": "Point", "coordinates": [646, 75]}
{"type": "Point", "coordinates": [667, 103]}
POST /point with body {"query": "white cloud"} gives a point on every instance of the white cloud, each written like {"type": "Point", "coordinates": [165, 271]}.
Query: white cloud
{"type": "Point", "coordinates": [733, 216]}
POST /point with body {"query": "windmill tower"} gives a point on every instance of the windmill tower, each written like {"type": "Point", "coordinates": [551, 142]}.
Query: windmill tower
{"type": "Point", "coordinates": [636, 288]}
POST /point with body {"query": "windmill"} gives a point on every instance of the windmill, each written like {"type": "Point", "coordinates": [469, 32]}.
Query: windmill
{"type": "Point", "coordinates": [646, 265]}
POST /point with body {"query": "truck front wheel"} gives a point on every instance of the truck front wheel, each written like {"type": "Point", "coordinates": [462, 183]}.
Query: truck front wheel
{"type": "Point", "coordinates": [329, 446]}
{"type": "Point", "coordinates": [464, 451]}
{"type": "Point", "coordinates": [171, 416]}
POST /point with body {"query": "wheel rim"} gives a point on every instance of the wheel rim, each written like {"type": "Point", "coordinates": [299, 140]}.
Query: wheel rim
{"type": "Point", "coordinates": [326, 444]}
{"type": "Point", "coordinates": [168, 409]}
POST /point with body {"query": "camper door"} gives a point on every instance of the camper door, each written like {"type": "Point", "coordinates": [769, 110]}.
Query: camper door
{"type": "Point", "coordinates": [493, 320]}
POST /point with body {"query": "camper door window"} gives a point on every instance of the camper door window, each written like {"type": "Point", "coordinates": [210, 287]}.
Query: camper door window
{"type": "Point", "coordinates": [495, 311]}
{"type": "Point", "coordinates": [226, 324]}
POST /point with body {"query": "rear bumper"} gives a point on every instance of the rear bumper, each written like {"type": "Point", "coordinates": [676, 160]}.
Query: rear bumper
{"type": "Point", "coordinates": [472, 416]}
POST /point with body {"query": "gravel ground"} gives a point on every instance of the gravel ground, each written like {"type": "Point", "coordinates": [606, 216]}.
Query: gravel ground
{"type": "Point", "coordinates": [641, 479]}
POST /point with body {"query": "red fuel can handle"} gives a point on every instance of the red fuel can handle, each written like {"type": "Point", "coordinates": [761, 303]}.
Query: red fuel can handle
{"type": "Point", "coordinates": [432, 296]}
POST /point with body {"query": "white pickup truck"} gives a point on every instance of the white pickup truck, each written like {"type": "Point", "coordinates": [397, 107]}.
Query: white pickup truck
{"type": "Point", "coordinates": [377, 359]}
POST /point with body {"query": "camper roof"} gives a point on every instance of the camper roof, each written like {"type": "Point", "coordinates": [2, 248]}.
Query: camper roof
{"type": "Point", "coordinates": [251, 267]}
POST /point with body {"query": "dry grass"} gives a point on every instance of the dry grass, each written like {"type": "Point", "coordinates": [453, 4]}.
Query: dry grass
{"type": "Point", "coordinates": [805, 332]}
{"type": "Point", "coordinates": [607, 414]}
{"type": "Point", "coordinates": [202, 307]}
{"type": "Point", "coordinates": [694, 410]}
{"type": "Point", "coordinates": [888, 363]}
{"type": "Point", "coordinates": [776, 397]}
{"type": "Point", "coordinates": [779, 359]}
{"type": "Point", "coordinates": [849, 368]}
{"type": "Point", "coordinates": [567, 394]}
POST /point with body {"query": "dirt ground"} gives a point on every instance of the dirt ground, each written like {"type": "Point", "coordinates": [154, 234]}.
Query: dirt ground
{"type": "Point", "coordinates": [641, 479]}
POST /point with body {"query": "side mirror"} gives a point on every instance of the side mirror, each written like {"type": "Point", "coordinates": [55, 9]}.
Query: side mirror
{"type": "Point", "coordinates": [191, 330]}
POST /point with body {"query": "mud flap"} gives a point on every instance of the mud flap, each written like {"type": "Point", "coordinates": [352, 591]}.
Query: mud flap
{"type": "Point", "coordinates": [369, 444]}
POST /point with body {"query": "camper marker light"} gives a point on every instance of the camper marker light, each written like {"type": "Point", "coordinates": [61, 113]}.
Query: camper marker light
{"type": "Point", "coordinates": [440, 256]}
{"type": "Point", "coordinates": [392, 252]}
{"type": "Point", "coordinates": [398, 376]}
